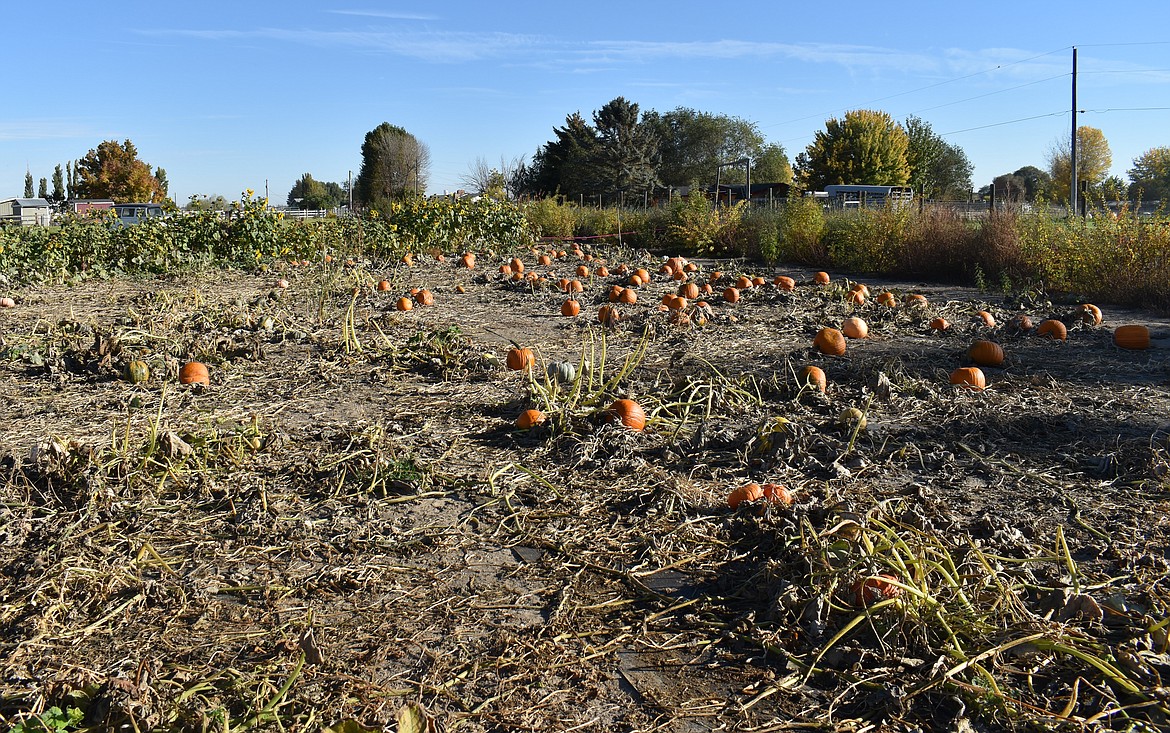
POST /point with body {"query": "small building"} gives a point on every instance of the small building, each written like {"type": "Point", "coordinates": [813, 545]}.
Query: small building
{"type": "Point", "coordinates": [25, 212]}
{"type": "Point", "coordinates": [81, 207]}
{"type": "Point", "coordinates": [856, 196]}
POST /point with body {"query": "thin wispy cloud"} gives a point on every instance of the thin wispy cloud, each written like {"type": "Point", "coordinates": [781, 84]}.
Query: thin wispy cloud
{"type": "Point", "coordinates": [44, 130]}
{"type": "Point", "coordinates": [384, 14]}
{"type": "Point", "coordinates": [435, 47]}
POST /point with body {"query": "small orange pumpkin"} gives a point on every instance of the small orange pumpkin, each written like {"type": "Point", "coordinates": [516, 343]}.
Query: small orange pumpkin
{"type": "Point", "coordinates": [743, 282]}
{"type": "Point", "coordinates": [689, 291]}
{"type": "Point", "coordinates": [971, 377]}
{"type": "Point", "coordinates": [520, 358]}
{"type": "Point", "coordinates": [424, 297]}
{"type": "Point", "coordinates": [813, 376]}
{"type": "Point", "coordinates": [404, 304]}
{"type": "Point", "coordinates": [777, 494]}
{"type": "Point", "coordinates": [194, 372]}
{"type": "Point", "coordinates": [602, 271]}
{"type": "Point", "coordinates": [888, 300]}
{"type": "Point", "coordinates": [628, 413]}
{"type": "Point", "coordinates": [1133, 337]}
{"type": "Point", "coordinates": [1090, 314]}
{"type": "Point", "coordinates": [608, 315]}
{"type": "Point", "coordinates": [582, 271]}
{"type": "Point", "coordinates": [984, 318]}
{"type": "Point", "coordinates": [383, 285]}
{"type": "Point", "coordinates": [915, 301]}
{"type": "Point", "coordinates": [516, 264]}
{"type": "Point", "coordinates": [530, 419]}
{"type": "Point", "coordinates": [747, 492]}
{"type": "Point", "coordinates": [830, 341]}
{"type": "Point", "coordinates": [939, 324]}
{"type": "Point", "coordinates": [731, 295]}
{"type": "Point", "coordinates": [570, 308]}
{"type": "Point", "coordinates": [875, 588]}
{"type": "Point", "coordinates": [627, 296]}
{"type": "Point", "coordinates": [785, 283]}
{"type": "Point", "coordinates": [822, 278]}
{"type": "Point", "coordinates": [468, 260]}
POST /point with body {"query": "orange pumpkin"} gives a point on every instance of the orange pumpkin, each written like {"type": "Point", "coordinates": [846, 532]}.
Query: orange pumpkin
{"type": "Point", "coordinates": [628, 413]}
{"type": "Point", "coordinates": [530, 419]}
{"type": "Point", "coordinates": [813, 376]}
{"type": "Point", "coordinates": [404, 304]}
{"type": "Point", "coordinates": [383, 285]}
{"type": "Point", "coordinates": [785, 283]}
{"type": "Point", "coordinates": [875, 588]}
{"type": "Point", "coordinates": [608, 315]}
{"type": "Point", "coordinates": [888, 300]}
{"type": "Point", "coordinates": [424, 297]}
{"type": "Point", "coordinates": [855, 328]}
{"type": "Point", "coordinates": [575, 286]}
{"type": "Point", "coordinates": [635, 280]}
{"type": "Point", "coordinates": [777, 494]}
{"type": "Point", "coordinates": [468, 260]}
{"type": "Point", "coordinates": [915, 301]}
{"type": "Point", "coordinates": [460, 289]}
{"type": "Point", "coordinates": [1052, 328]}
{"type": "Point", "coordinates": [830, 341]}
{"type": "Point", "coordinates": [516, 264]}
{"type": "Point", "coordinates": [731, 295]}
{"type": "Point", "coordinates": [856, 297]}
{"type": "Point", "coordinates": [676, 302]}
{"type": "Point", "coordinates": [689, 290]}
{"type": "Point", "coordinates": [627, 296]}
{"type": "Point", "coordinates": [971, 377]}
{"type": "Point", "coordinates": [747, 492]}
{"type": "Point", "coordinates": [986, 353]}
{"type": "Point", "coordinates": [940, 324]}
{"type": "Point", "coordinates": [570, 308]}
{"type": "Point", "coordinates": [821, 278]}
{"type": "Point", "coordinates": [1090, 314]}
{"type": "Point", "coordinates": [983, 318]}
{"type": "Point", "coordinates": [743, 282]}
{"type": "Point", "coordinates": [602, 271]}
{"type": "Point", "coordinates": [544, 260]}
{"type": "Point", "coordinates": [1133, 337]}
{"type": "Point", "coordinates": [520, 358]}
{"type": "Point", "coordinates": [194, 372]}
{"type": "Point", "coordinates": [642, 274]}
{"type": "Point", "coordinates": [582, 271]}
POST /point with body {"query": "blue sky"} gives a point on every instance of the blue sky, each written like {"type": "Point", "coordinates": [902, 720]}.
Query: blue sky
{"type": "Point", "coordinates": [226, 96]}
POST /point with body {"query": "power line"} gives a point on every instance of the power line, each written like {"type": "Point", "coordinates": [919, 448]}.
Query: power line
{"type": "Point", "coordinates": [1008, 122]}
{"type": "Point", "coordinates": [920, 89]}
{"type": "Point", "coordinates": [990, 94]}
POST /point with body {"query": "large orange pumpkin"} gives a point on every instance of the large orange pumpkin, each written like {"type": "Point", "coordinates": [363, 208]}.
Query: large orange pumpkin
{"type": "Point", "coordinates": [689, 291]}
{"type": "Point", "coordinates": [570, 308]}
{"type": "Point", "coordinates": [1052, 328]}
{"type": "Point", "coordinates": [785, 283]}
{"type": "Point", "coordinates": [530, 419]}
{"type": "Point", "coordinates": [1134, 337]}
{"type": "Point", "coordinates": [830, 341]}
{"type": "Point", "coordinates": [986, 353]}
{"type": "Point", "coordinates": [855, 328]}
{"type": "Point", "coordinates": [731, 295]}
{"type": "Point", "coordinates": [628, 413]}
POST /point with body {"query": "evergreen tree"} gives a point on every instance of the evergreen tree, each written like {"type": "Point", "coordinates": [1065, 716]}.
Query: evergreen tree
{"type": "Point", "coordinates": [43, 189]}
{"type": "Point", "coordinates": [394, 164]}
{"type": "Point", "coordinates": [28, 185]}
{"type": "Point", "coordinates": [626, 157]}
{"type": "Point", "coordinates": [58, 184]}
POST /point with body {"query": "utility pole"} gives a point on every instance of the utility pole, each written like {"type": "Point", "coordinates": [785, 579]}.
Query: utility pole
{"type": "Point", "coordinates": [1072, 200]}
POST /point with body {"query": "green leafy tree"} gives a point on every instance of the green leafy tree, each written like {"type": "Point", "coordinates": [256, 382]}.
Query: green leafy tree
{"type": "Point", "coordinates": [43, 188]}
{"type": "Point", "coordinates": [394, 165]}
{"type": "Point", "coordinates": [113, 171]}
{"type": "Point", "coordinates": [1093, 161]}
{"type": "Point", "coordinates": [1149, 177]}
{"type": "Point", "coordinates": [1010, 188]}
{"type": "Point", "coordinates": [771, 165]}
{"type": "Point", "coordinates": [58, 184]}
{"type": "Point", "coordinates": [308, 193]}
{"type": "Point", "coordinates": [28, 184]}
{"type": "Point", "coordinates": [938, 169]}
{"type": "Point", "coordinates": [866, 147]}
{"type": "Point", "coordinates": [692, 143]}
{"type": "Point", "coordinates": [213, 202]}
{"type": "Point", "coordinates": [626, 157]}
{"type": "Point", "coordinates": [1037, 183]}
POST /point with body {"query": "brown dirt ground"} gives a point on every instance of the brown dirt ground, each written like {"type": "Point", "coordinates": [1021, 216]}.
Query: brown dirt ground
{"type": "Point", "coordinates": [325, 535]}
